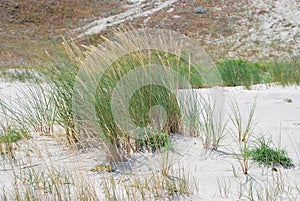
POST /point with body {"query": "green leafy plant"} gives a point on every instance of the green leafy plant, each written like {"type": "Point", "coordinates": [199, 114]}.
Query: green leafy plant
{"type": "Point", "coordinates": [288, 100]}
{"type": "Point", "coordinates": [8, 137]}
{"type": "Point", "coordinates": [266, 155]}
{"type": "Point", "coordinates": [151, 139]}
{"type": "Point", "coordinates": [12, 135]}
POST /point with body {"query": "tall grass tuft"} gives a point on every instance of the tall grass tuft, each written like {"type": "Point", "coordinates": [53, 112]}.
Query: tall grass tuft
{"type": "Point", "coordinates": [242, 132]}
{"type": "Point", "coordinates": [212, 124]}
{"type": "Point", "coordinates": [243, 73]}
{"type": "Point", "coordinates": [140, 104]}
{"type": "Point", "coordinates": [59, 78]}
{"type": "Point", "coordinates": [285, 73]}
{"type": "Point", "coordinates": [122, 103]}
{"type": "Point", "coordinates": [239, 73]}
{"type": "Point", "coordinates": [48, 183]}
{"type": "Point", "coordinates": [153, 187]}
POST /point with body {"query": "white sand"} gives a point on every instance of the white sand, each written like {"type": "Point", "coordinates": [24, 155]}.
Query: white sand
{"type": "Point", "coordinates": [211, 172]}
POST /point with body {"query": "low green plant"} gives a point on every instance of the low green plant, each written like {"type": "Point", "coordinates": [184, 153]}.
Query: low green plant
{"type": "Point", "coordinates": [288, 100]}
{"type": "Point", "coordinates": [12, 135]}
{"type": "Point", "coordinates": [9, 137]}
{"type": "Point", "coordinates": [151, 139]}
{"type": "Point", "coordinates": [266, 155]}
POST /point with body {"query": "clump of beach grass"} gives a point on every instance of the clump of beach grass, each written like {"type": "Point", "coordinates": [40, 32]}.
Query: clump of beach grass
{"type": "Point", "coordinates": [48, 183]}
{"type": "Point", "coordinates": [169, 184]}
{"type": "Point", "coordinates": [242, 133]}
{"type": "Point", "coordinates": [212, 124]}
{"type": "Point", "coordinates": [244, 73]}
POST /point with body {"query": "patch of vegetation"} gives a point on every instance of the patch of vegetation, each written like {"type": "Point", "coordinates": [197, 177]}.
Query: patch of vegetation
{"type": "Point", "coordinates": [288, 100]}
{"type": "Point", "coordinates": [151, 139]}
{"type": "Point", "coordinates": [244, 129]}
{"type": "Point", "coordinates": [12, 135]}
{"type": "Point", "coordinates": [51, 184]}
{"type": "Point", "coordinates": [60, 78]}
{"type": "Point", "coordinates": [21, 75]}
{"type": "Point", "coordinates": [212, 128]}
{"type": "Point", "coordinates": [8, 137]}
{"type": "Point", "coordinates": [103, 167]}
{"type": "Point", "coordinates": [239, 73]}
{"type": "Point", "coordinates": [243, 73]}
{"type": "Point", "coordinates": [174, 186]}
{"type": "Point", "coordinates": [141, 101]}
{"type": "Point", "coordinates": [266, 155]}
{"type": "Point", "coordinates": [285, 72]}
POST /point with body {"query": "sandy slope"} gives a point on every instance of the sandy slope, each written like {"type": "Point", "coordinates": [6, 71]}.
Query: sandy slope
{"type": "Point", "coordinates": [140, 8]}
{"type": "Point", "coordinates": [253, 30]}
{"type": "Point", "coordinates": [260, 31]}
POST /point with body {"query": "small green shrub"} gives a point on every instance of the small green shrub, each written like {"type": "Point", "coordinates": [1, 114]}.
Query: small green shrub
{"type": "Point", "coordinates": [268, 156]}
{"type": "Point", "coordinates": [288, 100]}
{"type": "Point", "coordinates": [12, 135]}
{"type": "Point", "coordinates": [151, 139]}
{"type": "Point", "coordinates": [8, 137]}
